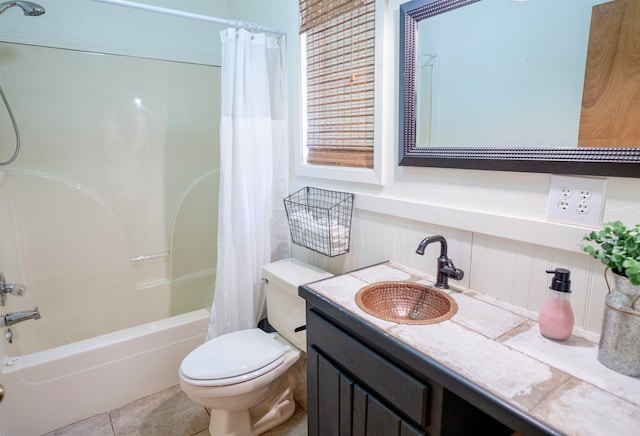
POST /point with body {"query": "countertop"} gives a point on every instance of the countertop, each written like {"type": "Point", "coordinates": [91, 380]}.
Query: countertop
{"type": "Point", "coordinates": [499, 348]}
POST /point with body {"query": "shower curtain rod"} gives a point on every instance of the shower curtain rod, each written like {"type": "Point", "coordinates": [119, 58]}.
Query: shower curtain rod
{"type": "Point", "coordinates": [167, 11]}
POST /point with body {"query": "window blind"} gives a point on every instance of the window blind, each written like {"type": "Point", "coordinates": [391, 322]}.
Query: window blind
{"type": "Point", "coordinates": [340, 81]}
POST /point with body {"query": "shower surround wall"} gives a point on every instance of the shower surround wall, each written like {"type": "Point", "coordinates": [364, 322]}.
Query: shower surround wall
{"type": "Point", "coordinates": [109, 214]}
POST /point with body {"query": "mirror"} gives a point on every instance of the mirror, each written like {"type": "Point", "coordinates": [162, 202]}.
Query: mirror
{"type": "Point", "coordinates": [469, 97]}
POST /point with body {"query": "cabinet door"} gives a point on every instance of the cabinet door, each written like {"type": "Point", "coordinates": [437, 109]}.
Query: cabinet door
{"type": "Point", "coordinates": [339, 406]}
{"type": "Point", "coordinates": [406, 395]}
{"type": "Point", "coordinates": [329, 397]}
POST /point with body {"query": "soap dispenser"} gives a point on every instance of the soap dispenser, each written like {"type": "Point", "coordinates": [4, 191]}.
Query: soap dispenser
{"type": "Point", "coordinates": [556, 316]}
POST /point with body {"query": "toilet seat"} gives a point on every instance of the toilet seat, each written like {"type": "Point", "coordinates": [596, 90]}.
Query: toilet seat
{"type": "Point", "coordinates": [233, 358]}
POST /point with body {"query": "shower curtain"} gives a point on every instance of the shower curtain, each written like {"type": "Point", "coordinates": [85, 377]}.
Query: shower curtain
{"type": "Point", "coordinates": [252, 227]}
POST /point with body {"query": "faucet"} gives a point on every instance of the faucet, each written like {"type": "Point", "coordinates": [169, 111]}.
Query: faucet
{"type": "Point", "coordinates": [446, 268]}
{"type": "Point", "coordinates": [13, 289]}
{"type": "Point", "coordinates": [15, 317]}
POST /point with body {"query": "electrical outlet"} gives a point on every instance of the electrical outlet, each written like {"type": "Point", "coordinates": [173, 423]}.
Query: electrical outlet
{"type": "Point", "coordinates": [576, 200]}
{"type": "Point", "coordinates": [585, 194]}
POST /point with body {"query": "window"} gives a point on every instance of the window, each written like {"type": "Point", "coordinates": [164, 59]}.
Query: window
{"type": "Point", "coordinates": [340, 55]}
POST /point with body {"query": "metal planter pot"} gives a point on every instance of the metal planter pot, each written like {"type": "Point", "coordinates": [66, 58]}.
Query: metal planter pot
{"type": "Point", "coordinates": [620, 340]}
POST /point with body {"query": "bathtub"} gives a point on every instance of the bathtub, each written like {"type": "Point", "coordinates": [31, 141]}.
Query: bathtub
{"type": "Point", "coordinates": [51, 389]}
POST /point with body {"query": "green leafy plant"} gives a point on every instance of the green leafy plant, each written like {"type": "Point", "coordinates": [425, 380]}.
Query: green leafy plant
{"type": "Point", "coordinates": [618, 247]}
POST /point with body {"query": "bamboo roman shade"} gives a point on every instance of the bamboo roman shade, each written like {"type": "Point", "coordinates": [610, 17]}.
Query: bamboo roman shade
{"type": "Point", "coordinates": [340, 81]}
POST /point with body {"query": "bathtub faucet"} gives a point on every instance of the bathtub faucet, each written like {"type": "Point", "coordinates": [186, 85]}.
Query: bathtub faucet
{"type": "Point", "coordinates": [15, 317]}
{"type": "Point", "coordinates": [8, 288]}
{"type": "Point", "coordinates": [446, 268]}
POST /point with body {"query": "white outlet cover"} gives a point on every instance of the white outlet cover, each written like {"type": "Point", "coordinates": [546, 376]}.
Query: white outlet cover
{"type": "Point", "coordinates": [576, 200]}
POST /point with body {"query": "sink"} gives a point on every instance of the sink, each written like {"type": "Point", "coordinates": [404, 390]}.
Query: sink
{"type": "Point", "coordinates": [406, 302]}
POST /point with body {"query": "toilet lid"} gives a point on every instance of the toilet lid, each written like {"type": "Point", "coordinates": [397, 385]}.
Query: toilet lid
{"type": "Point", "coordinates": [232, 355]}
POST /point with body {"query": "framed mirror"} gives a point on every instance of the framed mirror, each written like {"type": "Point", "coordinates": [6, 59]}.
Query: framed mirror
{"type": "Point", "coordinates": [520, 85]}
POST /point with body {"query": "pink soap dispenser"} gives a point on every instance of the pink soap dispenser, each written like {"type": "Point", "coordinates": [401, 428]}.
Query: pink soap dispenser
{"type": "Point", "coordinates": [556, 316]}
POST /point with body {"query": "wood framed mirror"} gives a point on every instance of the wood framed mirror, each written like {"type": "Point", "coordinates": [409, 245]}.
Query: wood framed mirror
{"type": "Point", "coordinates": [596, 131]}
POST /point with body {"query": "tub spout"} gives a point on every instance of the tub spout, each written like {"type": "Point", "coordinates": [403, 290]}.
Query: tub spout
{"type": "Point", "coordinates": [15, 317]}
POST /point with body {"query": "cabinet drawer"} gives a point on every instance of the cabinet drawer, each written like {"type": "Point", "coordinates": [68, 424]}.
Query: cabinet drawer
{"type": "Point", "coordinates": [407, 395]}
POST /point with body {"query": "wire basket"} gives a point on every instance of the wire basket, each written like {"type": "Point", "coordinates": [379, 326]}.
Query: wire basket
{"type": "Point", "coordinates": [320, 220]}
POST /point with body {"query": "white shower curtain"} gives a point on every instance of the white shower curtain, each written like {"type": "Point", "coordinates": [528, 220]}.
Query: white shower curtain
{"type": "Point", "coordinates": [252, 227]}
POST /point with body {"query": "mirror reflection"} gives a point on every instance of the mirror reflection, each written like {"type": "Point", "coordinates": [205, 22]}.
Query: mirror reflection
{"type": "Point", "coordinates": [502, 73]}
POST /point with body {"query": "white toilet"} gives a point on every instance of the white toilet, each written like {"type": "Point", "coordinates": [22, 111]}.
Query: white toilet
{"type": "Point", "coordinates": [247, 378]}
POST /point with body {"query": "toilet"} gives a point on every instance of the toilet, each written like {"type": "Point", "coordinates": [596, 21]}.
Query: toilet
{"type": "Point", "coordinates": [247, 378]}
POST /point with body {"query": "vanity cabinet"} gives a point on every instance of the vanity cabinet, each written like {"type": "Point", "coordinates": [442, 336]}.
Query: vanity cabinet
{"type": "Point", "coordinates": [352, 389]}
{"type": "Point", "coordinates": [363, 382]}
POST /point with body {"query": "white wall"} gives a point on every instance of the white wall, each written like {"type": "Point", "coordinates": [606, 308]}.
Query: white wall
{"type": "Point", "coordinates": [495, 221]}
{"type": "Point", "coordinates": [93, 26]}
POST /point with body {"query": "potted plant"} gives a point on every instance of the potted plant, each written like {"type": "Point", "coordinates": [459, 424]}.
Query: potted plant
{"type": "Point", "coordinates": [618, 247]}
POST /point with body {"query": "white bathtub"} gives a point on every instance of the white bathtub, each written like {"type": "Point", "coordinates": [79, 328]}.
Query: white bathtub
{"type": "Point", "coordinates": [53, 388]}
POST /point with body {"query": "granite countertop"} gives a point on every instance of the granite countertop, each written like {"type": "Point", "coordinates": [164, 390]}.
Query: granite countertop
{"type": "Point", "coordinates": [499, 348]}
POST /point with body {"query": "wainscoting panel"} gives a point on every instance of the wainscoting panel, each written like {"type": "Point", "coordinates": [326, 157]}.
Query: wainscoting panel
{"type": "Point", "coordinates": [509, 270]}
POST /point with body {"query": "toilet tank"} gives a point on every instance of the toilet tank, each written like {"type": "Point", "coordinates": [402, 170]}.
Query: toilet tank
{"type": "Point", "coordinates": [285, 310]}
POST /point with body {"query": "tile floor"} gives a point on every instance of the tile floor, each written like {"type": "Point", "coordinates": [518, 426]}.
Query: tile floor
{"type": "Point", "coordinates": [166, 413]}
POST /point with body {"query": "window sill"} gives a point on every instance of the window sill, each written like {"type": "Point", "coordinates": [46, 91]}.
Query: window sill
{"type": "Point", "coordinates": [345, 174]}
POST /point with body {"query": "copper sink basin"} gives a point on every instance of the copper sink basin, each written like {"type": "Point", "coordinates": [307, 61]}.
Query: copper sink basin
{"type": "Point", "coordinates": [406, 303]}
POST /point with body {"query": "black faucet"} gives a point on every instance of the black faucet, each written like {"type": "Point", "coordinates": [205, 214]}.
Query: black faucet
{"type": "Point", "coordinates": [446, 268]}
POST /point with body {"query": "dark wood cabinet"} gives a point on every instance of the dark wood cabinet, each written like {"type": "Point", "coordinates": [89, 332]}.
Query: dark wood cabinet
{"type": "Point", "coordinates": [352, 390]}
{"type": "Point", "coordinates": [344, 407]}
{"type": "Point", "coordinates": [363, 382]}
